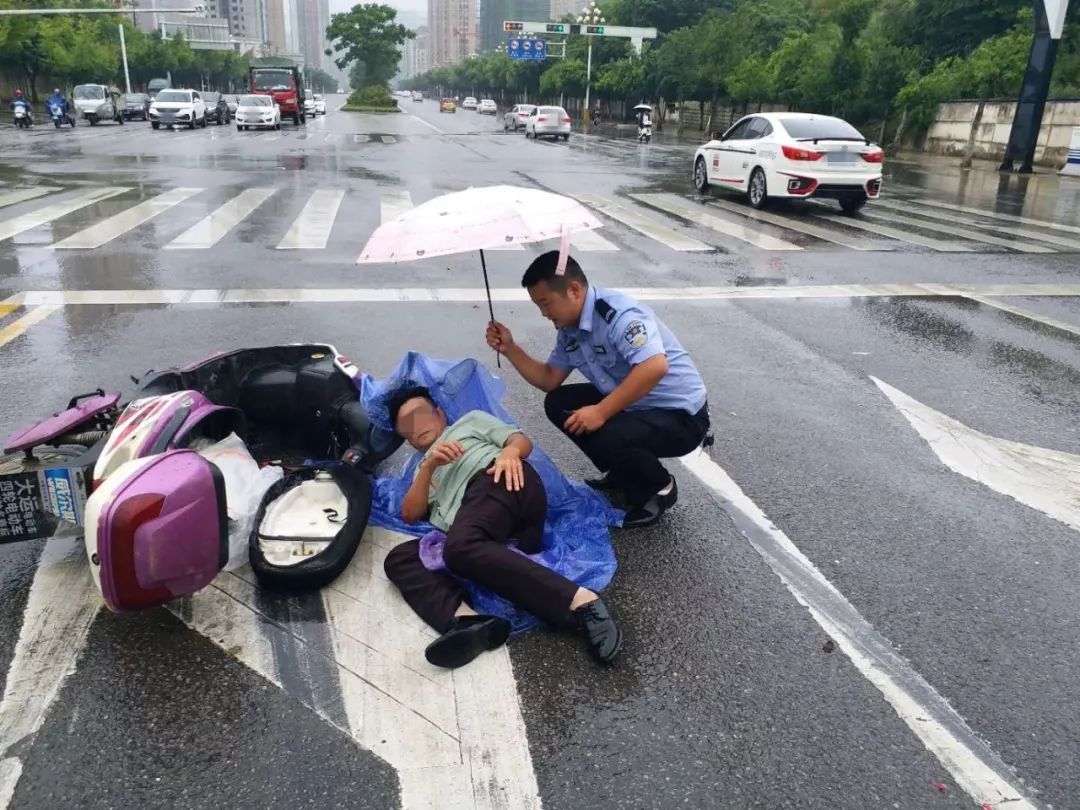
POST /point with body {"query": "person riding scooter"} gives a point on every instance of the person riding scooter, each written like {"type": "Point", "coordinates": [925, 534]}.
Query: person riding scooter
{"type": "Point", "coordinates": [19, 102]}
{"type": "Point", "coordinates": [59, 108]}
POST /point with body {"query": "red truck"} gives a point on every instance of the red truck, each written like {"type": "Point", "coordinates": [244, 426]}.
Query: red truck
{"type": "Point", "coordinates": [281, 80]}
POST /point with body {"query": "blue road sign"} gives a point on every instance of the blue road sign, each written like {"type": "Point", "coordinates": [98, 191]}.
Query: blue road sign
{"type": "Point", "coordinates": [525, 48]}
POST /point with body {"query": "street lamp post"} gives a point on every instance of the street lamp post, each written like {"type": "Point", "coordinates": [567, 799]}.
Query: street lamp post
{"type": "Point", "coordinates": [590, 15]}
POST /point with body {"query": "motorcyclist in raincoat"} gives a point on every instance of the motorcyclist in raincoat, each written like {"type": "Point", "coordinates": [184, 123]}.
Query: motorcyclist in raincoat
{"type": "Point", "coordinates": [58, 99]}
{"type": "Point", "coordinates": [20, 101]}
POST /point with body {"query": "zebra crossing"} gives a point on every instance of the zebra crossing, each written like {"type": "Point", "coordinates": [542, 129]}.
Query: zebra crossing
{"type": "Point", "coordinates": [683, 223]}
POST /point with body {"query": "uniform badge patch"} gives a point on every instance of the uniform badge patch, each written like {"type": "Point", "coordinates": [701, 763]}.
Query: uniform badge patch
{"type": "Point", "coordinates": [636, 334]}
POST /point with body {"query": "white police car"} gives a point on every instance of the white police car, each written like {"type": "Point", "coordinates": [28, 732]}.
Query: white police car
{"type": "Point", "coordinates": [792, 155]}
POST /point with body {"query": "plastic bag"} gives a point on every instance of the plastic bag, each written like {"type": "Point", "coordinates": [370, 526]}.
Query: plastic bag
{"type": "Point", "coordinates": [245, 485]}
{"type": "Point", "coordinates": [576, 539]}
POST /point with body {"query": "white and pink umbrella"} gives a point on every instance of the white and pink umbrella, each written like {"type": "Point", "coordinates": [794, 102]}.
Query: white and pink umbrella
{"type": "Point", "coordinates": [478, 219]}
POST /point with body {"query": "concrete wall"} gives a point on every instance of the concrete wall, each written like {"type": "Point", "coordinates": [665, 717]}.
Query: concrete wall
{"type": "Point", "coordinates": [948, 135]}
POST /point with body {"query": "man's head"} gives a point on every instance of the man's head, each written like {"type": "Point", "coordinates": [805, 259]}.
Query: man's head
{"type": "Point", "coordinates": [559, 298]}
{"type": "Point", "coordinates": [18, 93]}
{"type": "Point", "coordinates": [56, 91]}
{"type": "Point", "coordinates": [416, 417]}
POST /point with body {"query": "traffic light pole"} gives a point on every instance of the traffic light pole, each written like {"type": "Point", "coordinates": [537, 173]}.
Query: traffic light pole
{"type": "Point", "coordinates": [588, 85]}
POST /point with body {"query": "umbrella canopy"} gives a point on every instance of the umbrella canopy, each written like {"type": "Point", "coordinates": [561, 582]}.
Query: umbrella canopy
{"type": "Point", "coordinates": [643, 107]}
{"type": "Point", "coordinates": [475, 219]}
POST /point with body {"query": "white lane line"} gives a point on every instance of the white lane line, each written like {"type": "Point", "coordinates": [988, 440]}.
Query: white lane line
{"type": "Point", "coordinates": [895, 233]}
{"type": "Point", "coordinates": [10, 771]}
{"type": "Point", "coordinates": [966, 209]}
{"type": "Point", "coordinates": [662, 233]}
{"type": "Point", "coordinates": [361, 138]}
{"type": "Point", "coordinates": [953, 229]}
{"type": "Point", "coordinates": [1024, 233]}
{"type": "Point", "coordinates": [426, 124]}
{"type": "Point", "coordinates": [391, 295]}
{"type": "Point", "coordinates": [63, 602]}
{"type": "Point", "coordinates": [1038, 477]}
{"type": "Point", "coordinates": [797, 224]}
{"type": "Point", "coordinates": [210, 230]}
{"type": "Point", "coordinates": [1031, 315]}
{"type": "Point", "coordinates": [311, 230]}
{"type": "Point", "coordinates": [393, 204]}
{"type": "Point", "coordinates": [13, 227]}
{"type": "Point", "coordinates": [23, 194]}
{"type": "Point", "coordinates": [975, 767]}
{"type": "Point", "coordinates": [388, 139]}
{"type": "Point", "coordinates": [97, 235]}
{"type": "Point", "coordinates": [699, 216]}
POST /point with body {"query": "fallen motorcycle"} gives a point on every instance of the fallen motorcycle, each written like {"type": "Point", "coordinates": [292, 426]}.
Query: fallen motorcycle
{"type": "Point", "coordinates": [150, 483]}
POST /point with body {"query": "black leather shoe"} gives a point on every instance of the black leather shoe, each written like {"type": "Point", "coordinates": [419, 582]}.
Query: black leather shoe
{"type": "Point", "coordinates": [604, 635]}
{"type": "Point", "coordinates": [645, 515]}
{"type": "Point", "coordinates": [672, 497]}
{"type": "Point", "coordinates": [467, 638]}
{"type": "Point", "coordinates": [605, 484]}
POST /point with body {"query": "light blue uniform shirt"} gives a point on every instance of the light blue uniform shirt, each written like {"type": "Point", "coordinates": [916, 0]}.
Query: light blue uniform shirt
{"type": "Point", "coordinates": [616, 333]}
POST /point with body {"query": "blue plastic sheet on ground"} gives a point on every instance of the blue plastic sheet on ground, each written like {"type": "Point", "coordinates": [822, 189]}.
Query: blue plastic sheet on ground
{"type": "Point", "coordinates": [577, 543]}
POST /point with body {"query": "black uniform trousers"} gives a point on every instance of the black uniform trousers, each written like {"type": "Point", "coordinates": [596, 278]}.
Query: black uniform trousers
{"type": "Point", "coordinates": [476, 549]}
{"type": "Point", "coordinates": [630, 445]}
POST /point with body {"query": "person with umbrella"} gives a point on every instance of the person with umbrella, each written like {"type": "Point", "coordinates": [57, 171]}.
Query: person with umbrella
{"type": "Point", "coordinates": [644, 399]}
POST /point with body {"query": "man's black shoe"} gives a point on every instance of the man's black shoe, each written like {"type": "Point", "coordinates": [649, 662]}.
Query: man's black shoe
{"type": "Point", "coordinates": [604, 635]}
{"type": "Point", "coordinates": [605, 484]}
{"type": "Point", "coordinates": [467, 638]}
{"type": "Point", "coordinates": [652, 510]}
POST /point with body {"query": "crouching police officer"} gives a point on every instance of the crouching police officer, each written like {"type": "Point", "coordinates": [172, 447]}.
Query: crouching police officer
{"type": "Point", "coordinates": [644, 399]}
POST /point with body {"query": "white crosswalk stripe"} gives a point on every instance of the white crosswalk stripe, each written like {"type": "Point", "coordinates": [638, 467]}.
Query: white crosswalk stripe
{"type": "Point", "coordinates": [895, 233]}
{"type": "Point", "coordinates": [97, 235]}
{"type": "Point", "coordinates": [208, 231]}
{"type": "Point", "coordinates": [643, 224]}
{"type": "Point", "coordinates": [311, 230]}
{"type": "Point", "coordinates": [953, 229]}
{"type": "Point", "coordinates": [966, 209]}
{"type": "Point", "coordinates": [796, 224]}
{"type": "Point", "coordinates": [697, 214]}
{"type": "Point", "coordinates": [658, 216]}
{"type": "Point", "coordinates": [1024, 233]}
{"type": "Point", "coordinates": [22, 195]}
{"type": "Point", "coordinates": [15, 226]}
{"type": "Point", "coordinates": [393, 204]}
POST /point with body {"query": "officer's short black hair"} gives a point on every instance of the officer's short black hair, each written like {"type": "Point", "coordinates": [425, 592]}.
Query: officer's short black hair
{"type": "Point", "coordinates": [403, 395]}
{"type": "Point", "coordinates": [543, 269]}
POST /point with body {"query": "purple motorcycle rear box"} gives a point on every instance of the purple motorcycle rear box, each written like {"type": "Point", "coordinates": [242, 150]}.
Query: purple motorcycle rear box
{"type": "Point", "coordinates": [157, 529]}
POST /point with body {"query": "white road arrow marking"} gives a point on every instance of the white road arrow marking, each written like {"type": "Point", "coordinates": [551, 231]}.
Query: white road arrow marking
{"type": "Point", "coordinates": [1044, 479]}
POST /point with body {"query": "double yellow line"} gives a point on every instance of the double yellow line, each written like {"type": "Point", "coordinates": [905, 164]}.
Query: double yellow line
{"type": "Point", "coordinates": [34, 315]}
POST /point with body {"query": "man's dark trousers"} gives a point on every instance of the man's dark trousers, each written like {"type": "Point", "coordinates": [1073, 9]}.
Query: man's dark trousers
{"type": "Point", "coordinates": [630, 445]}
{"type": "Point", "coordinates": [476, 549]}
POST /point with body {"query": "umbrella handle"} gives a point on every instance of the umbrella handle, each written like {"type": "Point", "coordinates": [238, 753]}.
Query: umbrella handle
{"type": "Point", "coordinates": [491, 309]}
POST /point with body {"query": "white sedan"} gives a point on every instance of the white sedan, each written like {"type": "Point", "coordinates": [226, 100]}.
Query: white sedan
{"type": "Point", "coordinates": [548, 122]}
{"type": "Point", "coordinates": [515, 118]}
{"type": "Point", "coordinates": [257, 111]}
{"type": "Point", "coordinates": [488, 107]}
{"type": "Point", "coordinates": [469, 103]}
{"type": "Point", "coordinates": [320, 105]}
{"type": "Point", "coordinates": [792, 155]}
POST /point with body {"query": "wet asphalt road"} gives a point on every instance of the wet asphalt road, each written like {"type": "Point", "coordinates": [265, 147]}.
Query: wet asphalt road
{"type": "Point", "coordinates": [728, 693]}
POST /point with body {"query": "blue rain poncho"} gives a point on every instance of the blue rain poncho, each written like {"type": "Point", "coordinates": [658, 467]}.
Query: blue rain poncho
{"type": "Point", "coordinates": [576, 539]}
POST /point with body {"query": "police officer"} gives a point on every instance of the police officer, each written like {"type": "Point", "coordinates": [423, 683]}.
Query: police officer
{"type": "Point", "coordinates": [644, 399]}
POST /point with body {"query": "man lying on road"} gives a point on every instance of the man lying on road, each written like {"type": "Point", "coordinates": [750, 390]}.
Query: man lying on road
{"type": "Point", "coordinates": [475, 485]}
{"type": "Point", "coordinates": [644, 399]}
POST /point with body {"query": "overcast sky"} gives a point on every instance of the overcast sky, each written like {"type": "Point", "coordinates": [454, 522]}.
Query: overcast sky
{"type": "Point", "coordinates": [411, 12]}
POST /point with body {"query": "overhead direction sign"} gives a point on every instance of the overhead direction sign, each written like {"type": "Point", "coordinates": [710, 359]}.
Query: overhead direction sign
{"type": "Point", "coordinates": [634, 34]}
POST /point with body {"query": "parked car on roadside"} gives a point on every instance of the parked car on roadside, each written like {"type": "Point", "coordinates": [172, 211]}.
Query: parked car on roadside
{"type": "Point", "coordinates": [178, 108]}
{"type": "Point", "coordinates": [137, 105]}
{"type": "Point", "coordinates": [792, 155]}
{"type": "Point", "coordinates": [488, 107]}
{"type": "Point", "coordinates": [516, 116]}
{"type": "Point", "coordinates": [217, 108]}
{"type": "Point", "coordinates": [548, 122]}
{"type": "Point", "coordinates": [258, 112]}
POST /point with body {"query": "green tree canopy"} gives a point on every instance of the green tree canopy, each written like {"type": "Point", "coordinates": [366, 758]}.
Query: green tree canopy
{"type": "Point", "coordinates": [368, 34]}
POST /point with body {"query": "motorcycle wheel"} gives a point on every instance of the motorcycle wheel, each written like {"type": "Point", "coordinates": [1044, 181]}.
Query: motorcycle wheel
{"type": "Point", "coordinates": [56, 123]}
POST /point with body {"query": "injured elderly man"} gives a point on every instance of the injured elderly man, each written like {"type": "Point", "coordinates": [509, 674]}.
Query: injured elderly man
{"type": "Point", "coordinates": [475, 484]}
